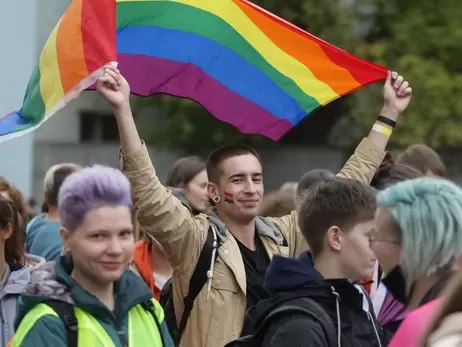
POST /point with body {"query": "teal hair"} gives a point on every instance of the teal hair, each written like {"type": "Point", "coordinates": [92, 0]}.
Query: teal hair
{"type": "Point", "coordinates": [428, 212]}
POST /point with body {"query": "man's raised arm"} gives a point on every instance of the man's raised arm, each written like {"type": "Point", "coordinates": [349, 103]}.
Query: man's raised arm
{"type": "Point", "coordinates": [161, 214]}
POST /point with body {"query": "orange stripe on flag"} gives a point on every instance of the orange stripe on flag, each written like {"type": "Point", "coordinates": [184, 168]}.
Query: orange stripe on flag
{"type": "Point", "coordinates": [306, 51]}
{"type": "Point", "coordinates": [69, 47]}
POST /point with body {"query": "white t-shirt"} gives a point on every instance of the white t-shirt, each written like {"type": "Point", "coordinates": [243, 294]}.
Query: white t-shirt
{"type": "Point", "coordinates": [160, 280]}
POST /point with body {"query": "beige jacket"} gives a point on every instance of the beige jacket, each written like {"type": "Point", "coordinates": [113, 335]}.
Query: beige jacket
{"type": "Point", "coordinates": [445, 328]}
{"type": "Point", "coordinates": [215, 322]}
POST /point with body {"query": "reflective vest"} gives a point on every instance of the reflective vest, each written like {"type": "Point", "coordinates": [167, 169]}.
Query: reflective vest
{"type": "Point", "coordinates": [142, 328]}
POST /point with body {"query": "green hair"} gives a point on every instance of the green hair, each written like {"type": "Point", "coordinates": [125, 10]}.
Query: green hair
{"type": "Point", "coordinates": [428, 212]}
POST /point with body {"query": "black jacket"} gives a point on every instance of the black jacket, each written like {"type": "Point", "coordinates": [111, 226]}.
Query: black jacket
{"type": "Point", "coordinates": [289, 279]}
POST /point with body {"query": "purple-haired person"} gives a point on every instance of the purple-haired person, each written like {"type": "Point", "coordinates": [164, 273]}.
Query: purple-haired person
{"type": "Point", "coordinates": [90, 294]}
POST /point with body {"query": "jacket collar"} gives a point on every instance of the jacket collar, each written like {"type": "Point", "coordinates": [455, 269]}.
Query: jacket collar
{"type": "Point", "coordinates": [263, 227]}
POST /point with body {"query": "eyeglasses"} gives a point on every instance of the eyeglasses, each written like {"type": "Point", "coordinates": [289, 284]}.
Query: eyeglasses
{"type": "Point", "coordinates": [373, 241]}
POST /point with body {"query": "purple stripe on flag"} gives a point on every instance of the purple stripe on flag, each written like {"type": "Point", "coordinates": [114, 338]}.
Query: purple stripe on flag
{"type": "Point", "coordinates": [149, 75]}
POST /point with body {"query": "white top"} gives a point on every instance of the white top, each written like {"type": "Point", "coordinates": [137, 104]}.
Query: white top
{"type": "Point", "coordinates": [160, 280]}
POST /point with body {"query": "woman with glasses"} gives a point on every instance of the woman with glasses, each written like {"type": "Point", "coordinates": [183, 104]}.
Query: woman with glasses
{"type": "Point", "coordinates": [418, 244]}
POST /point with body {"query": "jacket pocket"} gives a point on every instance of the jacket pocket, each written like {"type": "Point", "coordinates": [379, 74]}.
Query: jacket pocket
{"type": "Point", "coordinates": [227, 306]}
{"type": "Point", "coordinates": [223, 278]}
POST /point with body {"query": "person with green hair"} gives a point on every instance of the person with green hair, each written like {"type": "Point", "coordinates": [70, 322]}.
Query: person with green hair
{"type": "Point", "coordinates": [418, 243]}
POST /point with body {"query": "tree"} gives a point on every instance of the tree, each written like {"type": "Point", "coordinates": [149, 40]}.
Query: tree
{"type": "Point", "coordinates": [421, 40]}
{"type": "Point", "coordinates": [187, 126]}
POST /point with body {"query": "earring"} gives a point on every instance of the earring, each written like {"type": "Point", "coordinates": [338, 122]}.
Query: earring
{"type": "Point", "coordinates": [216, 199]}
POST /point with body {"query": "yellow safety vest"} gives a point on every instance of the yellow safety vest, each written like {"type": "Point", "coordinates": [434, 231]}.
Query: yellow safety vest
{"type": "Point", "coordinates": [142, 328]}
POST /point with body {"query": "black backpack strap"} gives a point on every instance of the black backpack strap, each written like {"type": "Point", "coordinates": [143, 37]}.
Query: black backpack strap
{"type": "Point", "coordinates": [299, 306]}
{"type": "Point", "coordinates": [65, 311]}
{"type": "Point", "coordinates": [149, 306]}
{"type": "Point", "coordinates": [199, 276]}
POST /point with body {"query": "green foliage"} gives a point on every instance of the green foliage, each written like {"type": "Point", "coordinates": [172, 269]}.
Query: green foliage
{"type": "Point", "coordinates": [422, 41]}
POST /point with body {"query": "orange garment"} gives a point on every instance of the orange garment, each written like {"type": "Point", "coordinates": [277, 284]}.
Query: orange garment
{"type": "Point", "coordinates": [143, 262]}
{"type": "Point", "coordinates": [367, 283]}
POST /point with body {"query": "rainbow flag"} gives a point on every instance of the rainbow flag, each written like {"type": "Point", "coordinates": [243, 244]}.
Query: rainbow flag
{"type": "Point", "coordinates": [243, 64]}
{"type": "Point", "coordinates": [80, 45]}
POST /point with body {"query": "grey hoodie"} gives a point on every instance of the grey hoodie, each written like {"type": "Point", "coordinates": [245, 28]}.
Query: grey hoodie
{"type": "Point", "coordinates": [12, 284]}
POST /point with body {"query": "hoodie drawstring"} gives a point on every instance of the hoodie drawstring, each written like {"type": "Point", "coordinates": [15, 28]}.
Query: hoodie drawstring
{"type": "Point", "coordinates": [337, 306]}
{"type": "Point", "coordinates": [375, 328]}
{"type": "Point", "coordinates": [212, 261]}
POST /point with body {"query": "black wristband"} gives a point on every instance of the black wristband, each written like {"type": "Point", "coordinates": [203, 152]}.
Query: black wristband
{"type": "Point", "coordinates": [386, 121]}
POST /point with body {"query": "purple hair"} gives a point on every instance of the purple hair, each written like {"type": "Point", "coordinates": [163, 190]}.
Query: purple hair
{"type": "Point", "coordinates": [89, 189]}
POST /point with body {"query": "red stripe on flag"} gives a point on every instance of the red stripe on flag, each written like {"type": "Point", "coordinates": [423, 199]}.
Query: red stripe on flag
{"type": "Point", "coordinates": [99, 33]}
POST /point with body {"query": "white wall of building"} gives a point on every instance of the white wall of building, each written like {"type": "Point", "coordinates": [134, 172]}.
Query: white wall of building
{"type": "Point", "coordinates": [17, 60]}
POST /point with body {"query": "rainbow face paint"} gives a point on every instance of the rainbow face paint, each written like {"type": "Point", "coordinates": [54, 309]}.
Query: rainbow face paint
{"type": "Point", "coordinates": [229, 198]}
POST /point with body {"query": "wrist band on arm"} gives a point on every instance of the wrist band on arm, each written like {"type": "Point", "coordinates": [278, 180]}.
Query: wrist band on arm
{"type": "Point", "coordinates": [386, 121]}
{"type": "Point", "coordinates": [382, 130]}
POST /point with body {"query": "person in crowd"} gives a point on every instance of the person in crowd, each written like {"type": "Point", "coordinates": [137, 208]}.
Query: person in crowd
{"type": "Point", "coordinates": [424, 159]}
{"type": "Point", "coordinates": [44, 207]}
{"type": "Point", "coordinates": [43, 237]}
{"type": "Point", "coordinates": [111, 304]}
{"type": "Point", "coordinates": [14, 274]}
{"type": "Point", "coordinates": [246, 241]}
{"type": "Point", "coordinates": [309, 179]}
{"type": "Point", "coordinates": [418, 243]}
{"type": "Point", "coordinates": [279, 203]}
{"type": "Point", "coordinates": [188, 181]}
{"type": "Point", "coordinates": [338, 231]}
{"type": "Point", "coordinates": [189, 174]}
{"type": "Point", "coordinates": [13, 194]}
{"type": "Point", "coordinates": [390, 312]}
{"type": "Point", "coordinates": [444, 328]}
{"type": "Point", "coordinates": [32, 208]}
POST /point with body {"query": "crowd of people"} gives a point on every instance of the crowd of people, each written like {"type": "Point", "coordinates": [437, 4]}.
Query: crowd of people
{"type": "Point", "coordinates": [369, 256]}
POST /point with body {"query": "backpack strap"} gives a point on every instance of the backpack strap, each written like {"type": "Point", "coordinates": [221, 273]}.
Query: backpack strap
{"type": "Point", "coordinates": [149, 306]}
{"type": "Point", "coordinates": [65, 311]}
{"type": "Point", "coordinates": [200, 276]}
{"type": "Point", "coordinates": [304, 306]}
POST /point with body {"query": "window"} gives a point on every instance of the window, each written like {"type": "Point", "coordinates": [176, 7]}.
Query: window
{"type": "Point", "coordinates": [98, 127]}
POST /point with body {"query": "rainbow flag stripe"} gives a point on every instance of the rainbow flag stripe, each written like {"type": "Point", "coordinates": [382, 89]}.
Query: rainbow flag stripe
{"type": "Point", "coordinates": [243, 64]}
{"type": "Point", "coordinates": [82, 42]}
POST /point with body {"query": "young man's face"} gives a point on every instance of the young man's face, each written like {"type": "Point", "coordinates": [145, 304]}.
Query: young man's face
{"type": "Point", "coordinates": [356, 253]}
{"type": "Point", "coordinates": [241, 180]}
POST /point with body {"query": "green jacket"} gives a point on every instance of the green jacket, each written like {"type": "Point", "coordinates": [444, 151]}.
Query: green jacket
{"type": "Point", "coordinates": [53, 281]}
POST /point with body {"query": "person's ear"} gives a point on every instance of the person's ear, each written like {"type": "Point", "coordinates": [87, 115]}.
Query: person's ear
{"type": "Point", "coordinates": [7, 232]}
{"type": "Point", "coordinates": [65, 236]}
{"type": "Point", "coordinates": [334, 238]}
{"type": "Point", "coordinates": [212, 190]}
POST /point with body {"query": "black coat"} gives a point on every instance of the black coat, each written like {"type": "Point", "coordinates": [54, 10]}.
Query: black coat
{"type": "Point", "coordinates": [344, 303]}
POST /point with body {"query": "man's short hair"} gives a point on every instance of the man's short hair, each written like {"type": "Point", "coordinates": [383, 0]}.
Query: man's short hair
{"type": "Point", "coordinates": [226, 152]}
{"type": "Point", "coordinates": [422, 158]}
{"type": "Point", "coordinates": [310, 178]}
{"type": "Point", "coordinates": [335, 202]}
{"type": "Point", "coordinates": [54, 178]}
